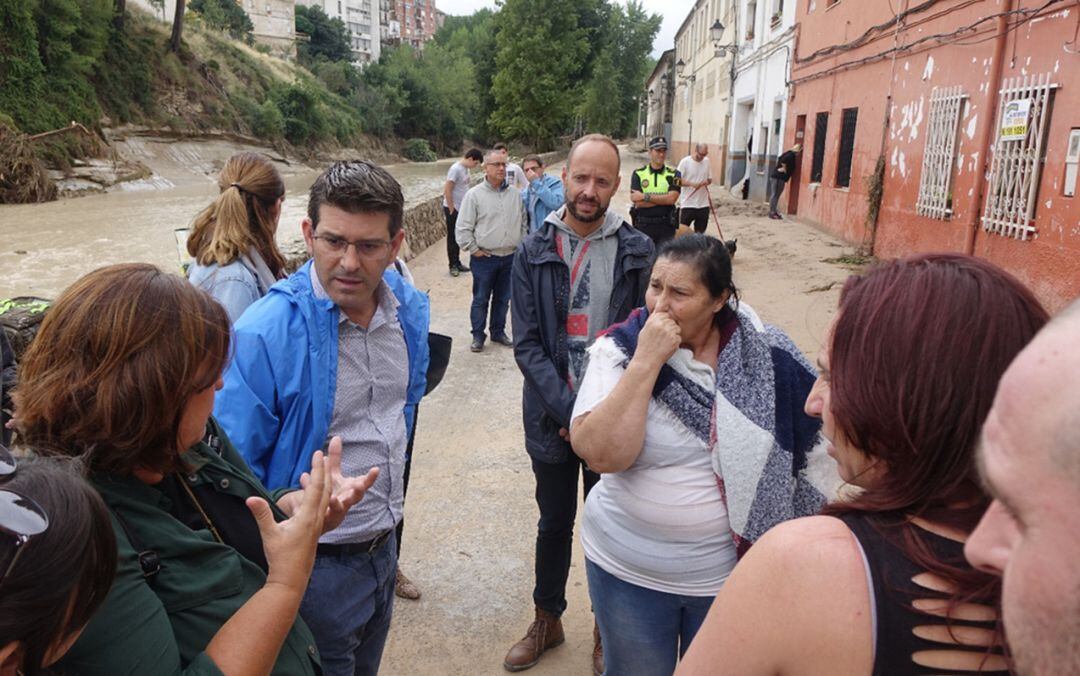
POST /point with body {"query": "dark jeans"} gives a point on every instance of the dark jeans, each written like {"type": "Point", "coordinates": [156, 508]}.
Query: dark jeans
{"type": "Point", "coordinates": [453, 251]}
{"type": "Point", "coordinates": [348, 605]}
{"type": "Point", "coordinates": [556, 495]}
{"type": "Point", "coordinates": [777, 185]}
{"type": "Point", "coordinates": [490, 284]}
{"type": "Point", "coordinates": [699, 216]}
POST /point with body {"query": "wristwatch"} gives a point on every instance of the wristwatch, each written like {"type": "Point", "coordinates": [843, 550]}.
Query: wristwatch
{"type": "Point", "coordinates": [646, 197]}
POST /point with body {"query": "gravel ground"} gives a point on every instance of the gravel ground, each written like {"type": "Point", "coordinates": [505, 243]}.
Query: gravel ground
{"type": "Point", "coordinates": [471, 518]}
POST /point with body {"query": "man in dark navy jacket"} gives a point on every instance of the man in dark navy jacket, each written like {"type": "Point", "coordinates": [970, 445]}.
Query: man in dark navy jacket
{"type": "Point", "coordinates": [581, 271]}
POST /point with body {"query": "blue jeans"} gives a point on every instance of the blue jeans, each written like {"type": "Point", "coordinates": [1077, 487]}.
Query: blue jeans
{"type": "Point", "coordinates": [490, 284]}
{"type": "Point", "coordinates": [644, 632]}
{"type": "Point", "coordinates": [348, 605]}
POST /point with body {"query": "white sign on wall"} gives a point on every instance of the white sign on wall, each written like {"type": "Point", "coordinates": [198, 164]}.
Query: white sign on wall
{"type": "Point", "coordinates": [1014, 121]}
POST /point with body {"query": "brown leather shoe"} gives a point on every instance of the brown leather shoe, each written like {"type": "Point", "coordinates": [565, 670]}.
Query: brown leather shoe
{"type": "Point", "coordinates": [597, 652]}
{"type": "Point", "coordinates": [404, 587]}
{"type": "Point", "coordinates": [545, 632]}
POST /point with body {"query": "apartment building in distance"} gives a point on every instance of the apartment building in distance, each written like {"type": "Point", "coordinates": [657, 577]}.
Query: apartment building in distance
{"type": "Point", "coordinates": [273, 21]}
{"type": "Point", "coordinates": [765, 36]}
{"type": "Point", "coordinates": [660, 90]}
{"type": "Point", "coordinates": [417, 20]}
{"type": "Point", "coordinates": [944, 126]}
{"type": "Point", "coordinates": [362, 19]}
{"type": "Point", "coordinates": [274, 24]}
{"type": "Point", "coordinates": [701, 106]}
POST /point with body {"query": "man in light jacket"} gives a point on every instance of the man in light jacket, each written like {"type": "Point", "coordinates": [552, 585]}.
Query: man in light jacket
{"type": "Point", "coordinates": [544, 194]}
{"type": "Point", "coordinates": [490, 225]}
{"type": "Point", "coordinates": [339, 348]}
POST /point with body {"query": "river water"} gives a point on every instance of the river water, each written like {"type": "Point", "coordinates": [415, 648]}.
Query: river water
{"type": "Point", "coordinates": [45, 247]}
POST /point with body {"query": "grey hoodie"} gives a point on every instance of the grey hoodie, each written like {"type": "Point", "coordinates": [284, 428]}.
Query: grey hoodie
{"type": "Point", "coordinates": [591, 261]}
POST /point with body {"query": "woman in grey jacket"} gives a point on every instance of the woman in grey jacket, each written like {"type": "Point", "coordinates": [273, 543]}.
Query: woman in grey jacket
{"type": "Point", "coordinates": [232, 240]}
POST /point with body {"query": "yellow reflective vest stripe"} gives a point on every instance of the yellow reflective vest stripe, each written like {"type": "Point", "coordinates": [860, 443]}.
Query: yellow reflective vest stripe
{"type": "Point", "coordinates": [656, 183]}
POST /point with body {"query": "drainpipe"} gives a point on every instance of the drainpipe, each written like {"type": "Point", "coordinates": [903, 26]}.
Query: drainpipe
{"type": "Point", "coordinates": [886, 122]}
{"type": "Point", "coordinates": [992, 101]}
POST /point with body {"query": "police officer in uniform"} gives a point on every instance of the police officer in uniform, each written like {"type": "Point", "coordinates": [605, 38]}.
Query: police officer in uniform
{"type": "Point", "coordinates": [654, 190]}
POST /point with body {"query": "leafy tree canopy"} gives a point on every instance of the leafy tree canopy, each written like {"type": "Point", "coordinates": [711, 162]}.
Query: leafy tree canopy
{"type": "Point", "coordinates": [328, 39]}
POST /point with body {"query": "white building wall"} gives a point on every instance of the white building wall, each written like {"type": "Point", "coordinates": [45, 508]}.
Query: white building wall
{"type": "Point", "coordinates": [766, 43]}
{"type": "Point", "coordinates": [701, 108]}
{"type": "Point", "coordinates": [361, 18]}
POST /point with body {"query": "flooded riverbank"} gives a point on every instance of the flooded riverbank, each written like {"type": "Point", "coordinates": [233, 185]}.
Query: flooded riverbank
{"type": "Point", "coordinates": [45, 247]}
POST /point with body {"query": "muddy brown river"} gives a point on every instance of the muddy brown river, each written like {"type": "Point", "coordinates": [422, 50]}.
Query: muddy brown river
{"type": "Point", "coordinates": [45, 247]}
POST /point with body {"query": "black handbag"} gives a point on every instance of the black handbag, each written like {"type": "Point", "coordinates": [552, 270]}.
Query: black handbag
{"type": "Point", "coordinates": [439, 350]}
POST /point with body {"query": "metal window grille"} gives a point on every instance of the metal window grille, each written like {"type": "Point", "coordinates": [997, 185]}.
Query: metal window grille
{"type": "Point", "coordinates": [935, 183]}
{"type": "Point", "coordinates": [847, 146]}
{"type": "Point", "coordinates": [821, 127]}
{"type": "Point", "coordinates": [1018, 156]}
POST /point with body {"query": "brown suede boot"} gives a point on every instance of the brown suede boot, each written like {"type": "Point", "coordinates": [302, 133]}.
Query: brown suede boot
{"type": "Point", "coordinates": [597, 652]}
{"type": "Point", "coordinates": [545, 632]}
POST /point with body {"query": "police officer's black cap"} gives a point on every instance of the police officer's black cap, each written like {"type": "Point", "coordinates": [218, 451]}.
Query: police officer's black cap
{"type": "Point", "coordinates": [658, 142]}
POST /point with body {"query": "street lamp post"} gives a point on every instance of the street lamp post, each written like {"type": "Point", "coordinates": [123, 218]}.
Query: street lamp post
{"type": "Point", "coordinates": [688, 80]}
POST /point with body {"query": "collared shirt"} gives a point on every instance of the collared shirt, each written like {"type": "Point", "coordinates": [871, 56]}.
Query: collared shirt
{"type": "Point", "coordinates": [369, 397]}
{"type": "Point", "coordinates": [492, 219]}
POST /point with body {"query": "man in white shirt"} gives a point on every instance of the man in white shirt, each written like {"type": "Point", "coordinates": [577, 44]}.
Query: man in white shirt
{"type": "Point", "coordinates": [515, 176]}
{"type": "Point", "coordinates": [694, 195]}
{"type": "Point", "coordinates": [457, 184]}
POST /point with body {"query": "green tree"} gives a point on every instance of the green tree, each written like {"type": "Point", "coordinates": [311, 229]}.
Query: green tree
{"type": "Point", "coordinates": [599, 107]}
{"type": "Point", "coordinates": [225, 15]}
{"type": "Point", "coordinates": [21, 70]}
{"type": "Point", "coordinates": [632, 32]}
{"type": "Point", "coordinates": [328, 38]}
{"type": "Point", "coordinates": [539, 50]}
{"type": "Point", "coordinates": [72, 36]}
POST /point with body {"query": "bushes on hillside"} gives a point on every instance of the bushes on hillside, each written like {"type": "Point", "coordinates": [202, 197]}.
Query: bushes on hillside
{"type": "Point", "coordinates": [418, 150]}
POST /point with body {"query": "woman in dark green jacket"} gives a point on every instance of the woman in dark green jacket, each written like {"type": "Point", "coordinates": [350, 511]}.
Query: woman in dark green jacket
{"type": "Point", "coordinates": [211, 569]}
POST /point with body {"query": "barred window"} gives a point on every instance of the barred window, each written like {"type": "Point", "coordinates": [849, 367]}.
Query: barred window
{"type": "Point", "coordinates": [935, 184]}
{"type": "Point", "coordinates": [848, 121]}
{"type": "Point", "coordinates": [1019, 152]}
{"type": "Point", "coordinates": [821, 127]}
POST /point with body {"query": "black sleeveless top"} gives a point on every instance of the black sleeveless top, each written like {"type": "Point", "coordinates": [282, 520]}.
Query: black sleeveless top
{"type": "Point", "coordinates": [893, 590]}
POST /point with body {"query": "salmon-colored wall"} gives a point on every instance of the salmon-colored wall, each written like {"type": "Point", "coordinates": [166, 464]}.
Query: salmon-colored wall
{"type": "Point", "coordinates": [1049, 263]}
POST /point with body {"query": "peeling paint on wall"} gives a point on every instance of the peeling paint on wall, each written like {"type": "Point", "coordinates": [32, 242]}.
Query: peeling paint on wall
{"type": "Point", "coordinates": [903, 165]}
{"type": "Point", "coordinates": [928, 72]}
{"type": "Point", "coordinates": [970, 130]}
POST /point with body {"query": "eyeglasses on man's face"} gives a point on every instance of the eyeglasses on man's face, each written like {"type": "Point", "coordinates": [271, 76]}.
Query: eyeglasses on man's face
{"type": "Point", "coordinates": [365, 248]}
{"type": "Point", "coordinates": [20, 517]}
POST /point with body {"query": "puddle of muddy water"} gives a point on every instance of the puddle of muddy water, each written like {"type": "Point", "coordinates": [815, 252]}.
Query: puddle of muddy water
{"type": "Point", "coordinates": [45, 247]}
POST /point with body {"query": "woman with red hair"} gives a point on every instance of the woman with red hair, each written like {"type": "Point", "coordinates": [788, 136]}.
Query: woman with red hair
{"type": "Point", "coordinates": [878, 584]}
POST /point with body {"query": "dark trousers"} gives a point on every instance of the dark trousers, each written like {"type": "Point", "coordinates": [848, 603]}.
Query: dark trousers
{"type": "Point", "coordinates": [490, 285]}
{"type": "Point", "coordinates": [777, 185]}
{"type": "Point", "coordinates": [698, 216]}
{"type": "Point", "coordinates": [556, 496]}
{"type": "Point", "coordinates": [657, 232]}
{"type": "Point", "coordinates": [405, 481]}
{"type": "Point", "coordinates": [453, 251]}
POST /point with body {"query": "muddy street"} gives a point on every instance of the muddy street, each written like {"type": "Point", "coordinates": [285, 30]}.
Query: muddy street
{"type": "Point", "coordinates": [470, 515]}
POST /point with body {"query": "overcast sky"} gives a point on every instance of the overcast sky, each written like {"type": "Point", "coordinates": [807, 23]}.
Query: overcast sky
{"type": "Point", "coordinates": [673, 11]}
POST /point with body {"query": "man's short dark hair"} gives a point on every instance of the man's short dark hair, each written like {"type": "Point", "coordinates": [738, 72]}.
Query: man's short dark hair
{"type": "Point", "coordinates": [500, 146]}
{"type": "Point", "coordinates": [358, 187]}
{"type": "Point", "coordinates": [533, 157]}
{"type": "Point", "coordinates": [474, 154]}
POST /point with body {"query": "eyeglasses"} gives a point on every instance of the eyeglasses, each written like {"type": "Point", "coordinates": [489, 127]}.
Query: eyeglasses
{"type": "Point", "coordinates": [20, 517]}
{"type": "Point", "coordinates": [365, 248]}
